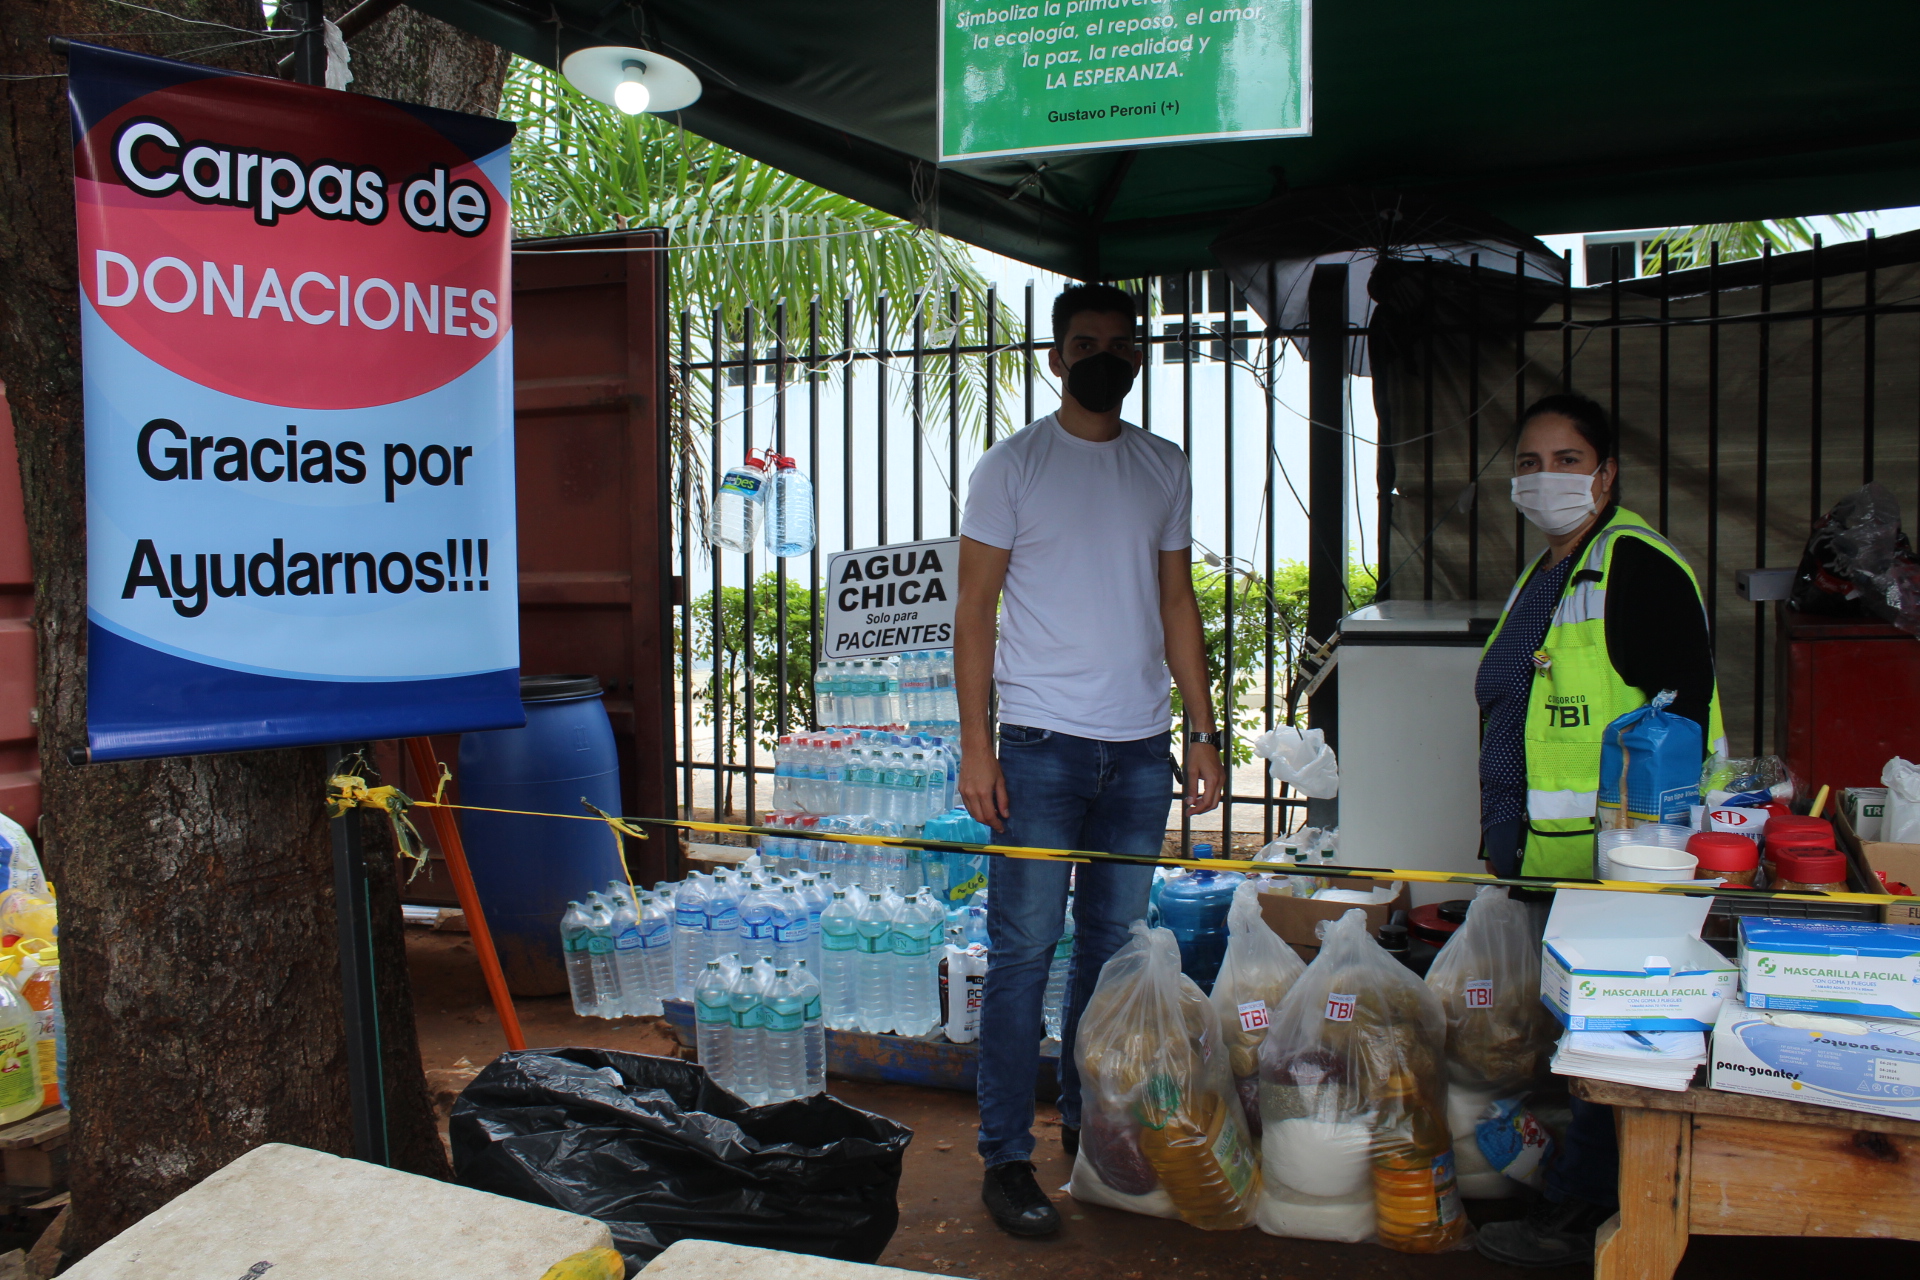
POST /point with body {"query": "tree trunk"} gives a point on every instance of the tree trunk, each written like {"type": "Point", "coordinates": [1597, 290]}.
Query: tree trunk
{"type": "Point", "coordinates": [202, 979]}
{"type": "Point", "coordinates": [410, 57]}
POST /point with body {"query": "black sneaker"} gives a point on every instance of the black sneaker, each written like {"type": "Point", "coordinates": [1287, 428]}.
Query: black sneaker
{"type": "Point", "coordinates": [1551, 1235]}
{"type": "Point", "coordinates": [1070, 1140]}
{"type": "Point", "coordinates": [1018, 1205]}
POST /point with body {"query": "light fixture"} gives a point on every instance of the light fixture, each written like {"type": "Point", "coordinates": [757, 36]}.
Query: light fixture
{"type": "Point", "coordinates": [632, 80]}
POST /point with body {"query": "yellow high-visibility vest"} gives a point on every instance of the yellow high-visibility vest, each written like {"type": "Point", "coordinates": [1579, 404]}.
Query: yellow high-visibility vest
{"type": "Point", "coordinates": [1576, 694]}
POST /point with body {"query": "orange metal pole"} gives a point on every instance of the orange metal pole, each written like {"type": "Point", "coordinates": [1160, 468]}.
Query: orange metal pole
{"type": "Point", "coordinates": [427, 766]}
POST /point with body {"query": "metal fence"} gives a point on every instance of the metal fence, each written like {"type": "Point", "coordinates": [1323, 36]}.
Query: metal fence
{"type": "Point", "coordinates": [1751, 395]}
{"type": "Point", "coordinates": [889, 436]}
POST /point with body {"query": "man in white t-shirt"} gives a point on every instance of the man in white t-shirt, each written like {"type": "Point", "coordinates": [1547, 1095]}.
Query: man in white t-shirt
{"type": "Point", "coordinates": [1080, 523]}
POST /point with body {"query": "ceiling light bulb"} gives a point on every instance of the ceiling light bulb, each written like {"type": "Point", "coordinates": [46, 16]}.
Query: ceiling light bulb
{"type": "Point", "coordinates": [631, 94]}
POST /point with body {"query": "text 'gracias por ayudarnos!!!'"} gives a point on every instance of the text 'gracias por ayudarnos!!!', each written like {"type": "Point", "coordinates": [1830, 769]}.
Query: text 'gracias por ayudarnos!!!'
{"type": "Point", "coordinates": [271, 186]}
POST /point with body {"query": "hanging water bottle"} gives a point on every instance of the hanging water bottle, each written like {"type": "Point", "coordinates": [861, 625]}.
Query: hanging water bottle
{"type": "Point", "coordinates": [740, 506]}
{"type": "Point", "coordinates": [789, 509]}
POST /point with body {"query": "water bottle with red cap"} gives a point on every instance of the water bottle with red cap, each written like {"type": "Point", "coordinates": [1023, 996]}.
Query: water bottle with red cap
{"type": "Point", "coordinates": [789, 509]}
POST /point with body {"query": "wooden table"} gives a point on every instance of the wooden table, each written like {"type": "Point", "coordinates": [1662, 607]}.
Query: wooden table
{"type": "Point", "coordinates": [1730, 1164]}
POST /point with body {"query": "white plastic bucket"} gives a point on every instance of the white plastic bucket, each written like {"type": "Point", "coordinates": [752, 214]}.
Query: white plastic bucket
{"type": "Point", "coordinates": [1650, 862]}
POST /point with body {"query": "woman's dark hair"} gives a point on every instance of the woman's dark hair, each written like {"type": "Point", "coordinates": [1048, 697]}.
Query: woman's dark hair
{"type": "Point", "coordinates": [1588, 418]}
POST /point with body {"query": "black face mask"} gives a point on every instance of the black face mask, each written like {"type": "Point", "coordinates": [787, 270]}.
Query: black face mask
{"type": "Point", "coordinates": [1100, 381]}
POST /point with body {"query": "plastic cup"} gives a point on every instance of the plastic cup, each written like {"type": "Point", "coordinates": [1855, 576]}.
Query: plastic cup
{"type": "Point", "coordinates": [1651, 862]}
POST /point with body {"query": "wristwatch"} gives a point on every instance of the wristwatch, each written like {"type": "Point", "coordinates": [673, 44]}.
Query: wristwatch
{"type": "Point", "coordinates": [1216, 738]}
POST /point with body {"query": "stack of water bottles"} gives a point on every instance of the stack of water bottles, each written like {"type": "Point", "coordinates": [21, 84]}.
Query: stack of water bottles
{"type": "Point", "coordinates": [619, 952]}
{"type": "Point", "coordinates": [908, 690]}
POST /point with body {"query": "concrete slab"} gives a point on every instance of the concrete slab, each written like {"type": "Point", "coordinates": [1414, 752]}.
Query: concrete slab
{"type": "Point", "coordinates": [307, 1215]}
{"type": "Point", "coordinates": [712, 1260]}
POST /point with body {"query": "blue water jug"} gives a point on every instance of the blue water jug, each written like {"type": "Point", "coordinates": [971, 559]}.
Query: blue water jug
{"type": "Point", "coordinates": [526, 868]}
{"type": "Point", "coordinates": [1194, 906]}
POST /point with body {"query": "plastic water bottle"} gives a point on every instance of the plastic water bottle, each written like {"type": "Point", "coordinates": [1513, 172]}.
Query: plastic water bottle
{"type": "Point", "coordinates": [916, 965]}
{"type": "Point", "coordinates": [783, 1022]}
{"type": "Point", "coordinates": [815, 1031]}
{"type": "Point", "coordinates": [740, 506]}
{"type": "Point", "coordinates": [823, 709]}
{"type": "Point", "coordinates": [815, 900]}
{"type": "Point", "coordinates": [713, 1024]}
{"type": "Point", "coordinates": [859, 797]}
{"type": "Point", "coordinates": [749, 1063]}
{"type": "Point", "coordinates": [723, 916]}
{"type": "Point", "coordinates": [629, 958]}
{"type": "Point", "coordinates": [609, 1000]}
{"type": "Point", "coordinates": [792, 928]}
{"type": "Point", "coordinates": [946, 699]}
{"type": "Point", "coordinates": [576, 935]}
{"type": "Point", "coordinates": [757, 919]}
{"type": "Point", "coordinates": [1055, 1005]}
{"type": "Point", "coordinates": [839, 959]}
{"type": "Point", "coordinates": [656, 951]}
{"type": "Point", "coordinates": [836, 776]}
{"type": "Point", "coordinates": [690, 953]}
{"type": "Point", "coordinates": [873, 965]}
{"type": "Point", "coordinates": [1194, 906]}
{"type": "Point", "coordinates": [890, 692]}
{"type": "Point", "coordinates": [789, 510]}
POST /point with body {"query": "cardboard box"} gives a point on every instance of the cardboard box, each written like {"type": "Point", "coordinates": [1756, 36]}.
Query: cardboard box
{"type": "Point", "coordinates": [1295, 919]}
{"type": "Point", "coordinates": [1632, 962]}
{"type": "Point", "coordinates": [1860, 1064]}
{"type": "Point", "coordinates": [1901, 862]}
{"type": "Point", "coordinates": [1853, 968]}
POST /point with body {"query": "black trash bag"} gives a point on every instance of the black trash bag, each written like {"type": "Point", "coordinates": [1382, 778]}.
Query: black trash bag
{"type": "Point", "coordinates": [659, 1153]}
{"type": "Point", "coordinates": [1858, 563]}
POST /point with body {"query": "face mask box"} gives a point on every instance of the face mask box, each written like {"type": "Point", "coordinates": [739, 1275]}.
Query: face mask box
{"type": "Point", "coordinates": [1858, 1064]}
{"type": "Point", "coordinates": [1632, 962]}
{"type": "Point", "coordinates": [1859, 970]}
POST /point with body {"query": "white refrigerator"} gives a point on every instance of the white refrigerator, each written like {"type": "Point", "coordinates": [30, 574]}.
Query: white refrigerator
{"type": "Point", "coordinates": [1410, 737]}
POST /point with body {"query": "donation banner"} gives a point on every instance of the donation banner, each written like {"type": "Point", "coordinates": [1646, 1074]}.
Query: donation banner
{"type": "Point", "coordinates": [1088, 75]}
{"type": "Point", "coordinates": [891, 599]}
{"type": "Point", "coordinates": [298, 368]}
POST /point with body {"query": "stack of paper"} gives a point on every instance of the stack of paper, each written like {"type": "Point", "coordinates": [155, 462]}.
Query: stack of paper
{"type": "Point", "coordinates": [1650, 1059]}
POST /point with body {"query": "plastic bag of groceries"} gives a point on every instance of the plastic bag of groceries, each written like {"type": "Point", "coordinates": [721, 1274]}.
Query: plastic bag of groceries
{"type": "Point", "coordinates": [1161, 1130]}
{"type": "Point", "coordinates": [1499, 1033]}
{"type": "Point", "coordinates": [1353, 1100]}
{"type": "Point", "coordinates": [1258, 971]}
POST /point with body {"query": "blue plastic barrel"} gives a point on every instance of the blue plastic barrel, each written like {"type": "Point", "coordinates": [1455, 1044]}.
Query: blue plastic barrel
{"type": "Point", "coordinates": [526, 869]}
{"type": "Point", "coordinates": [1194, 905]}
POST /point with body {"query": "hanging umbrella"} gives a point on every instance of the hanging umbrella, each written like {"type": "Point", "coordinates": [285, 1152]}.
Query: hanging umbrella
{"type": "Point", "coordinates": [1272, 251]}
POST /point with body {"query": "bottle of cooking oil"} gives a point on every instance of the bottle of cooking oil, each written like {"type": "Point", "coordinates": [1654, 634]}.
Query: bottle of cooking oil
{"type": "Point", "coordinates": [1416, 1202]}
{"type": "Point", "coordinates": [1196, 1145]}
{"type": "Point", "coordinates": [41, 990]}
{"type": "Point", "coordinates": [19, 1073]}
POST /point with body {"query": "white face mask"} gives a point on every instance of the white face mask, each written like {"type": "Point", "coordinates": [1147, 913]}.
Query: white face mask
{"type": "Point", "coordinates": [1556, 502]}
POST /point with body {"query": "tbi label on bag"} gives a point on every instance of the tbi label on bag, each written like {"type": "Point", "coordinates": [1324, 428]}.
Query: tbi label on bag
{"type": "Point", "coordinates": [1340, 1008]}
{"type": "Point", "coordinates": [1253, 1015]}
{"type": "Point", "coordinates": [1480, 993]}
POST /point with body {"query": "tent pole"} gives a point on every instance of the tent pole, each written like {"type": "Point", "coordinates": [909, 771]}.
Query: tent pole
{"type": "Point", "coordinates": [1327, 494]}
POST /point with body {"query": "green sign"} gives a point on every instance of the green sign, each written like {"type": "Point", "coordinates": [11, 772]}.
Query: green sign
{"type": "Point", "coordinates": [1085, 75]}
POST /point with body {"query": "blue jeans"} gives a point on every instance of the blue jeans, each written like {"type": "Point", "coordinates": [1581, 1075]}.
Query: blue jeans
{"type": "Point", "coordinates": [1063, 792]}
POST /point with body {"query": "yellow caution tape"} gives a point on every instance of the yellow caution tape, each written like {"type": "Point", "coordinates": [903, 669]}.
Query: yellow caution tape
{"type": "Point", "coordinates": [345, 792]}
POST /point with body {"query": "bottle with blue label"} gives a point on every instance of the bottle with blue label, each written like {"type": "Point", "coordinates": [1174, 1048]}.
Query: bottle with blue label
{"type": "Point", "coordinates": [740, 506]}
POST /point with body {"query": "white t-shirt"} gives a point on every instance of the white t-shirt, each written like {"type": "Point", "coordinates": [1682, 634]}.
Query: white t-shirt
{"type": "Point", "coordinates": [1081, 650]}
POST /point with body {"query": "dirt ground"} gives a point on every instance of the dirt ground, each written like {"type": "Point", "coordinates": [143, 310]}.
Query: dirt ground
{"type": "Point", "coordinates": [943, 1228]}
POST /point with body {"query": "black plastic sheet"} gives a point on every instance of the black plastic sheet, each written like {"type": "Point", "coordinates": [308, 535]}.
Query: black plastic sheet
{"type": "Point", "coordinates": [659, 1153]}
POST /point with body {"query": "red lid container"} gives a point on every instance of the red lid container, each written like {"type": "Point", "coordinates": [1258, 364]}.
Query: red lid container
{"type": "Point", "coordinates": [1723, 851]}
{"type": "Point", "coordinates": [1799, 842]}
{"type": "Point", "coordinates": [1797, 823]}
{"type": "Point", "coordinates": [1809, 867]}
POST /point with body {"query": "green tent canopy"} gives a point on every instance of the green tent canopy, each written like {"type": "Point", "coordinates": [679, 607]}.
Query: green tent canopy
{"type": "Point", "coordinates": [1551, 117]}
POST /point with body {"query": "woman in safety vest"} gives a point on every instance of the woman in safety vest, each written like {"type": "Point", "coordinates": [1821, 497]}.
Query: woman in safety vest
{"type": "Point", "coordinates": [1602, 620]}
